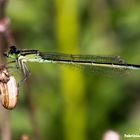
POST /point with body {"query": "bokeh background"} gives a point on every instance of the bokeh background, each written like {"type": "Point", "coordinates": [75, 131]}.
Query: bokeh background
{"type": "Point", "coordinates": [63, 103]}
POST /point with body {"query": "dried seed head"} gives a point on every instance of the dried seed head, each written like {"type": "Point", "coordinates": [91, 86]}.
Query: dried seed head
{"type": "Point", "coordinates": [9, 93]}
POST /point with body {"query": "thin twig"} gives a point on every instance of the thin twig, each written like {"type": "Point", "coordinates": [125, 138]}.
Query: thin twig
{"type": "Point", "coordinates": [2, 8]}
{"type": "Point", "coordinates": [4, 27]}
{"type": "Point", "coordinates": [5, 128]}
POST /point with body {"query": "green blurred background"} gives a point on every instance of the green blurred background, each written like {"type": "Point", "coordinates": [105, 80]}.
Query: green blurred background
{"type": "Point", "coordinates": [67, 104]}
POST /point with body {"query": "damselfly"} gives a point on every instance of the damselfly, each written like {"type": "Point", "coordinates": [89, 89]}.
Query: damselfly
{"type": "Point", "coordinates": [107, 64]}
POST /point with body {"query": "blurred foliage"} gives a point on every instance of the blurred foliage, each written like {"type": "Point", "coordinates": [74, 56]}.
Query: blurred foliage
{"type": "Point", "coordinates": [72, 104]}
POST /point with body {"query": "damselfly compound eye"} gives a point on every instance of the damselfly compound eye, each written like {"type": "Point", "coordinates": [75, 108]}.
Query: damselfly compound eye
{"type": "Point", "coordinates": [9, 93]}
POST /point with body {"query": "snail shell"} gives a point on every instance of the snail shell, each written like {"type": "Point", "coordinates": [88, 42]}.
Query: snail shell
{"type": "Point", "coordinates": [9, 93]}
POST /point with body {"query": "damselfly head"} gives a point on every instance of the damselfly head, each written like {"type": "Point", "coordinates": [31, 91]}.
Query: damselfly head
{"type": "Point", "coordinates": [13, 50]}
{"type": "Point", "coordinates": [12, 53]}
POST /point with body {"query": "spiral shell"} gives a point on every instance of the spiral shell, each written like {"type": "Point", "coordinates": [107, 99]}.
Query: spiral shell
{"type": "Point", "coordinates": [9, 93]}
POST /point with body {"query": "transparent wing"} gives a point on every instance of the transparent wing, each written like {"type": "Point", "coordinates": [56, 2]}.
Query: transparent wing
{"type": "Point", "coordinates": [82, 58]}
{"type": "Point", "coordinates": [99, 64]}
